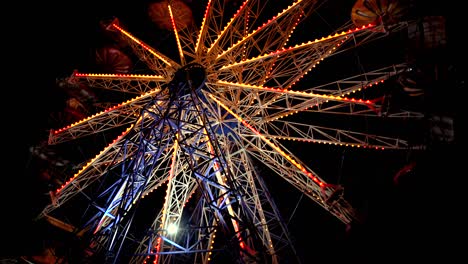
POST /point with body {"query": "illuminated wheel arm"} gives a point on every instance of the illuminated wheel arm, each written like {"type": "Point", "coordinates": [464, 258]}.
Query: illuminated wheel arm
{"type": "Point", "coordinates": [290, 102]}
{"type": "Point", "coordinates": [357, 82]}
{"type": "Point", "coordinates": [123, 114]}
{"type": "Point", "coordinates": [155, 60]}
{"type": "Point", "coordinates": [283, 129]}
{"type": "Point", "coordinates": [309, 133]}
{"type": "Point", "coordinates": [125, 83]}
{"type": "Point", "coordinates": [376, 32]}
{"type": "Point", "coordinates": [231, 32]}
{"type": "Point", "coordinates": [293, 171]}
{"type": "Point", "coordinates": [210, 26]}
{"type": "Point", "coordinates": [299, 176]}
{"type": "Point", "coordinates": [290, 63]}
{"type": "Point", "coordinates": [187, 38]}
{"type": "Point", "coordinates": [273, 34]}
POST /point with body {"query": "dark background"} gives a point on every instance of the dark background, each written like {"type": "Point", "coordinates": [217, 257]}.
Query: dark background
{"type": "Point", "coordinates": [420, 219]}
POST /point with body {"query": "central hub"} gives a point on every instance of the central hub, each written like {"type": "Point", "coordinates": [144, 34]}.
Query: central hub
{"type": "Point", "coordinates": [190, 77]}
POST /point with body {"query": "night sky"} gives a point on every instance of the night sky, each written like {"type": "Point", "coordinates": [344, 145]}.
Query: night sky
{"type": "Point", "coordinates": [417, 219]}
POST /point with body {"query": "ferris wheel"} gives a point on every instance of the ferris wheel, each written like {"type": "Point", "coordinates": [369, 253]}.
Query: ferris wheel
{"type": "Point", "coordinates": [197, 135]}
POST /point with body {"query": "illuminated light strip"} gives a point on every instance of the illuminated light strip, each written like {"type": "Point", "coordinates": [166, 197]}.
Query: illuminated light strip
{"type": "Point", "coordinates": [284, 50]}
{"type": "Point", "coordinates": [368, 103]}
{"type": "Point", "coordinates": [212, 237]}
{"type": "Point", "coordinates": [181, 53]}
{"type": "Point", "coordinates": [228, 25]}
{"type": "Point", "coordinates": [150, 93]}
{"type": "Point", "coordinates": [321, 141]}
{"type": "Point", "coordinates": [246, 29]}
{"type": "Point", "coordinates": [276, 53]}
{"type": "Point", "coordinates": [156, 258]}
{"type": "Point", "coordinates": [141, 44]}
{"type": "Point", "coordinates": [350, 31]}
{"type": "Point", "coordinates": [130, 76]}
{"type": "Point", "coordinates": [280, 151]}
{"type": "Point", "coordinates": [304, 94]}
{"type": "Point", "coordinates": [228, 201]}
{"type": "Point", "coordinates": [150, 190]}
{"type": "Point", "coordinates": [313, 66]}
{"type": "Point", "coordinates": [284, 44]}
{"type": "Point", "coordinates": [168, 191]}
{"type": "Point", "coordinates": [92, 161]}
{"type": "Point", "coordinates": [365, 86]}
{"type": "Point", "coordinates": [259, 28]}
{"type": "Point", "coordinates": [304, 73]}
{"type": "Point", "coordinates": [202, 28]}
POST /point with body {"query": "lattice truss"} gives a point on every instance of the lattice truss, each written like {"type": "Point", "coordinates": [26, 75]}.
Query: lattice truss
{"type": "Point", "coordinates": [199, 125]}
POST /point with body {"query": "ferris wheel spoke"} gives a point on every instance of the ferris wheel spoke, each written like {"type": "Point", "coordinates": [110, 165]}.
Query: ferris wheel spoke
{"type": "Point", "coordinates": [309, 133]}
{"type": "Point", "coordinates": [236, 28]}
{"type": "Point", "coordinates": [123, 114]}
{"type": "Point", "coordinates": [273, 34]}
{"type": "Point", "coordinates": [369, 109]}
{"type": "Point", "coordinates": [286, 101]}
{"type": "Point", "coordinates": [290, 63]}
{"type": "Point", "coordinates": [273, 103]}
{"type": "Point", "coordinates": [290, 105]}
{"type": "Point", "coordinates": [329, 98]}
{"type": "Point", "coordinates": [211, 25]}
{"type": "Point", "coordinates": [155, 60]}
{"type": "Point", "coordinates": [175, 30]}
{"type": "Point", "coordinates": [359, 82]}
{"type": "Point", "coordinates": [282, 162]}
{"type": "Point", "coordinates": [125, 83]}
{"type": "Point", "coordinates": [187, 39]}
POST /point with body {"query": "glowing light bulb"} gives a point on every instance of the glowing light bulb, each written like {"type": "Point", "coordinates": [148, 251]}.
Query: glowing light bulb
{"type": "Point", "coordinates": [172, 229]}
